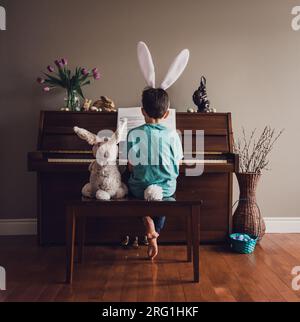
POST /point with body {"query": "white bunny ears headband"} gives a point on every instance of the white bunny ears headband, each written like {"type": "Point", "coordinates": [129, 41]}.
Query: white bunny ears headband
{"type": "Point", "coordinates": [148, 70]}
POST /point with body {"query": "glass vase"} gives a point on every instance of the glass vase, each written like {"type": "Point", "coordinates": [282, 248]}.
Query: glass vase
{"type": "Point", "coordinates": [72, 101]}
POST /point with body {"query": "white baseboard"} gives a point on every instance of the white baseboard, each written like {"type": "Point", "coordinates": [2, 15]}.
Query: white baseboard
{"type": "Point", "coordinates": [283, 225]}
{"type": "Point", "coordinates": [17, 227]}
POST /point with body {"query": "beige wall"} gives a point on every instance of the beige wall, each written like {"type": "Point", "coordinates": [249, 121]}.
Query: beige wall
{"type": "Point", "coordinates": [246, 49]}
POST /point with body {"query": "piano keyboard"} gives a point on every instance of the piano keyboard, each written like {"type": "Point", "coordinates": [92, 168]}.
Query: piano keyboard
{"type": "Point", "coordinates": [183, 162]}
{"type": "Point", "coordinates": [71, 160]}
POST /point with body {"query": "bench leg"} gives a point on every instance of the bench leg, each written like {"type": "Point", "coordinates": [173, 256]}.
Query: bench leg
{"type": "Point", "coordinates": [81, 238]}
{"type": "Point", "coordinates": [195, 235]}
{"type": "Point", "coordinates": [189, 238]}
{"type": "Point", "coordinates": [70, 244]}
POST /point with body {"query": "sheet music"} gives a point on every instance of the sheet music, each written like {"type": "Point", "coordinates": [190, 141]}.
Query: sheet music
{"type": "Point", "coordinates": [136, 118]}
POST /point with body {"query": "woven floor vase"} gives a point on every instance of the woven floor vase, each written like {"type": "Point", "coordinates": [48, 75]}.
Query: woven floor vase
{"type": "Point", "coordinates": [247, 217]}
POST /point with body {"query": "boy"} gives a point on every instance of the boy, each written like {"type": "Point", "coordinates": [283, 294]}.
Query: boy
{"type": "Point", "coordinates": [154, 152]}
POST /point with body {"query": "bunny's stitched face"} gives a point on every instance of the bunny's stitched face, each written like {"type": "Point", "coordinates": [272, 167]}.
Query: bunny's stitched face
{"type": "Point", "coordinates": [105, 150]}
{"type": "Point", "coordinates": [105, 153]}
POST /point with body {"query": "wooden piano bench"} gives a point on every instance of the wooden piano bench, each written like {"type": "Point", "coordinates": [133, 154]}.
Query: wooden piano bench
{"type": "Point", "coordinates": [77, 211]}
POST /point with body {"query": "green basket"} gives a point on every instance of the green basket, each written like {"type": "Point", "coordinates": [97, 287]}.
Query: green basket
{"type": "Point", "coordinates": [242, 246]}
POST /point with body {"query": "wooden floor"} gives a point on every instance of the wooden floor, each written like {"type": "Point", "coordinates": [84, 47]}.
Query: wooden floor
{"type": "Point", "coordinates": [114, 274]}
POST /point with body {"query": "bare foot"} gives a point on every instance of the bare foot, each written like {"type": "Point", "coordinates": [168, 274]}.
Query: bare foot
{"type": "Point", "coordinates": [152, 236]}
{"type": "Point", "coordinates": [152, 248]}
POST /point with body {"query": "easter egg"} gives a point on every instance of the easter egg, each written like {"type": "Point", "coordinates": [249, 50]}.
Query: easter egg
{"type": "Point", "coordinates": [190, 110]}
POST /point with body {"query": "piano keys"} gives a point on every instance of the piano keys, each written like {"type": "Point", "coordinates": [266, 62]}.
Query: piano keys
{"type": "Point", "coordinates": [62, 159]}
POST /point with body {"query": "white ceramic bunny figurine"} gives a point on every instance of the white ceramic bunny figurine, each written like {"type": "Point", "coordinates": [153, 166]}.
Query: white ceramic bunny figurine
{"type": "Point", "coordinates": [105, 178]}
{"type": "Point", "coordinates": [155, 192]}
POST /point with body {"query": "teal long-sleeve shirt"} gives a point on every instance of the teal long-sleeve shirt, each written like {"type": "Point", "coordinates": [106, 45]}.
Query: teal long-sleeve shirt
{"type": "Point", "coordinates": [154, 152]}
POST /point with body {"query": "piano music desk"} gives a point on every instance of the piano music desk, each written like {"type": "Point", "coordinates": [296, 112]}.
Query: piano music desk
{"type": "Point", "coordinates": [77, 211]}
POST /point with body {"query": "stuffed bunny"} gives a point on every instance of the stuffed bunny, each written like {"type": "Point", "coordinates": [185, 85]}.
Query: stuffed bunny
{"type": "Point", "coordinates": [105, 178]}
{"type": "Point", "coordinates": [155, 192]}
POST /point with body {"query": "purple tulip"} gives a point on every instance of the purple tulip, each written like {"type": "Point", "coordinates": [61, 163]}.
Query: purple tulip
{"type": "Point", "coordinates": [64, 61]}
{"type": "Point", "coordinates": [59, 64]}
{"type": "Point", "coordinates": [84, 71]}
{"type": "Point", "coordinates": [46, 89]}
{"type": "Point", "coordinates": [97, 76]}
{"type": "Point", "coordinates": [50, 69]}
{"type": "Point", "coordinates": [95, 71]}
{"type": "Point", "coordinates": [41, 80]}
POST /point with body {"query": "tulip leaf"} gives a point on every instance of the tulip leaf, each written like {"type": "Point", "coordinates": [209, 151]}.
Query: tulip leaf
{"type": "Point", "coordinates": [79, 90]}
{"type": "Point", "coordinates": [54, 80]}
{"type": "Point", "coordinates": [86, 83]}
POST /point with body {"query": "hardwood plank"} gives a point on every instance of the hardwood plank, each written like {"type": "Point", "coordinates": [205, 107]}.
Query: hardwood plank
{"type": "Point", "coordinates": [49, 293]}
{"type": "Point", "coordinates": [252, 267]}
{"type": "Point", "coordinates": [160, 289]}
{"type": "Point", "coordinates": [113, 287]}
{"type": "Point", "coordinates": [129, 289]}
{"type": "Point", "coordinates": [175, 287]}
{"type": "Point", "coordinates": [104, 260]}
{"type": "Point", "coordinates": [224, 283]}
{"type": "Point", "coordinates": [242, 273]}
{"type": "Point", "coordinates": [146, 289]}
{"type": "Point", "coordinates": [191, 290]}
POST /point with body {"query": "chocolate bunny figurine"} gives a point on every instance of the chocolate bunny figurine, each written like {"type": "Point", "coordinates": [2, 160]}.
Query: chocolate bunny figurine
{"type": "Point", "coordinates": [201, 100]}
{"type": "Point", "coordinates": [200, 96]}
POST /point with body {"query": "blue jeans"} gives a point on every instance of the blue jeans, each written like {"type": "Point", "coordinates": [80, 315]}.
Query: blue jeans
{"type": "Point", "coordinates": [159, 223]}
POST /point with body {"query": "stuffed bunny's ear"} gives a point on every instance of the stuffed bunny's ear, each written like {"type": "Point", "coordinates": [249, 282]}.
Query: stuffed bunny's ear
{"type": "Point", "coordinates": [177, 68]}
{"type": "Point", "coordinates": [86, 135]}
{"type": "Point", "coordinates": [120, 133]}
{"type": "Point", "coordinates": [146, 63]}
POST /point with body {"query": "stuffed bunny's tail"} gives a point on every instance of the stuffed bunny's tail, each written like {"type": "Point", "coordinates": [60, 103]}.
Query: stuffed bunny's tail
{"type": "Point", "coordinates": [153, 193]}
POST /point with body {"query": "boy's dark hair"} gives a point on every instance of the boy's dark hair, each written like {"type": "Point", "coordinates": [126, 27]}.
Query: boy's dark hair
{"type": "Point", "coordinates": [155, 102]}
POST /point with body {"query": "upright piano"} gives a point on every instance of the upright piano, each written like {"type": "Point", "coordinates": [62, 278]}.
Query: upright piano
{"type": "Point", "coordinates": [62, 159]}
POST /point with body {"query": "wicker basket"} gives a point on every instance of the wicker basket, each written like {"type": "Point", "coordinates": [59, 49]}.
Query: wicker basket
{"type": "Point", "coordinates": [242, 246]}
{"type": "Point", "coordinates": [247, 217]}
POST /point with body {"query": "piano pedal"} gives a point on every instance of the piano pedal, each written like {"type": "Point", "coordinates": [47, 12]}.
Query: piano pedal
{"type": "Point", "coordinates": [135, 243]}
{"type": "Point", "coordinates": [125, 241]}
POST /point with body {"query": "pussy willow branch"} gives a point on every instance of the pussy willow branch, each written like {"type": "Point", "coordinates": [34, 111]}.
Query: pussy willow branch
{"type": "Point", "coordinates": [254, 152]}
{"type": "Point", "coordinates": [266, 151]}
